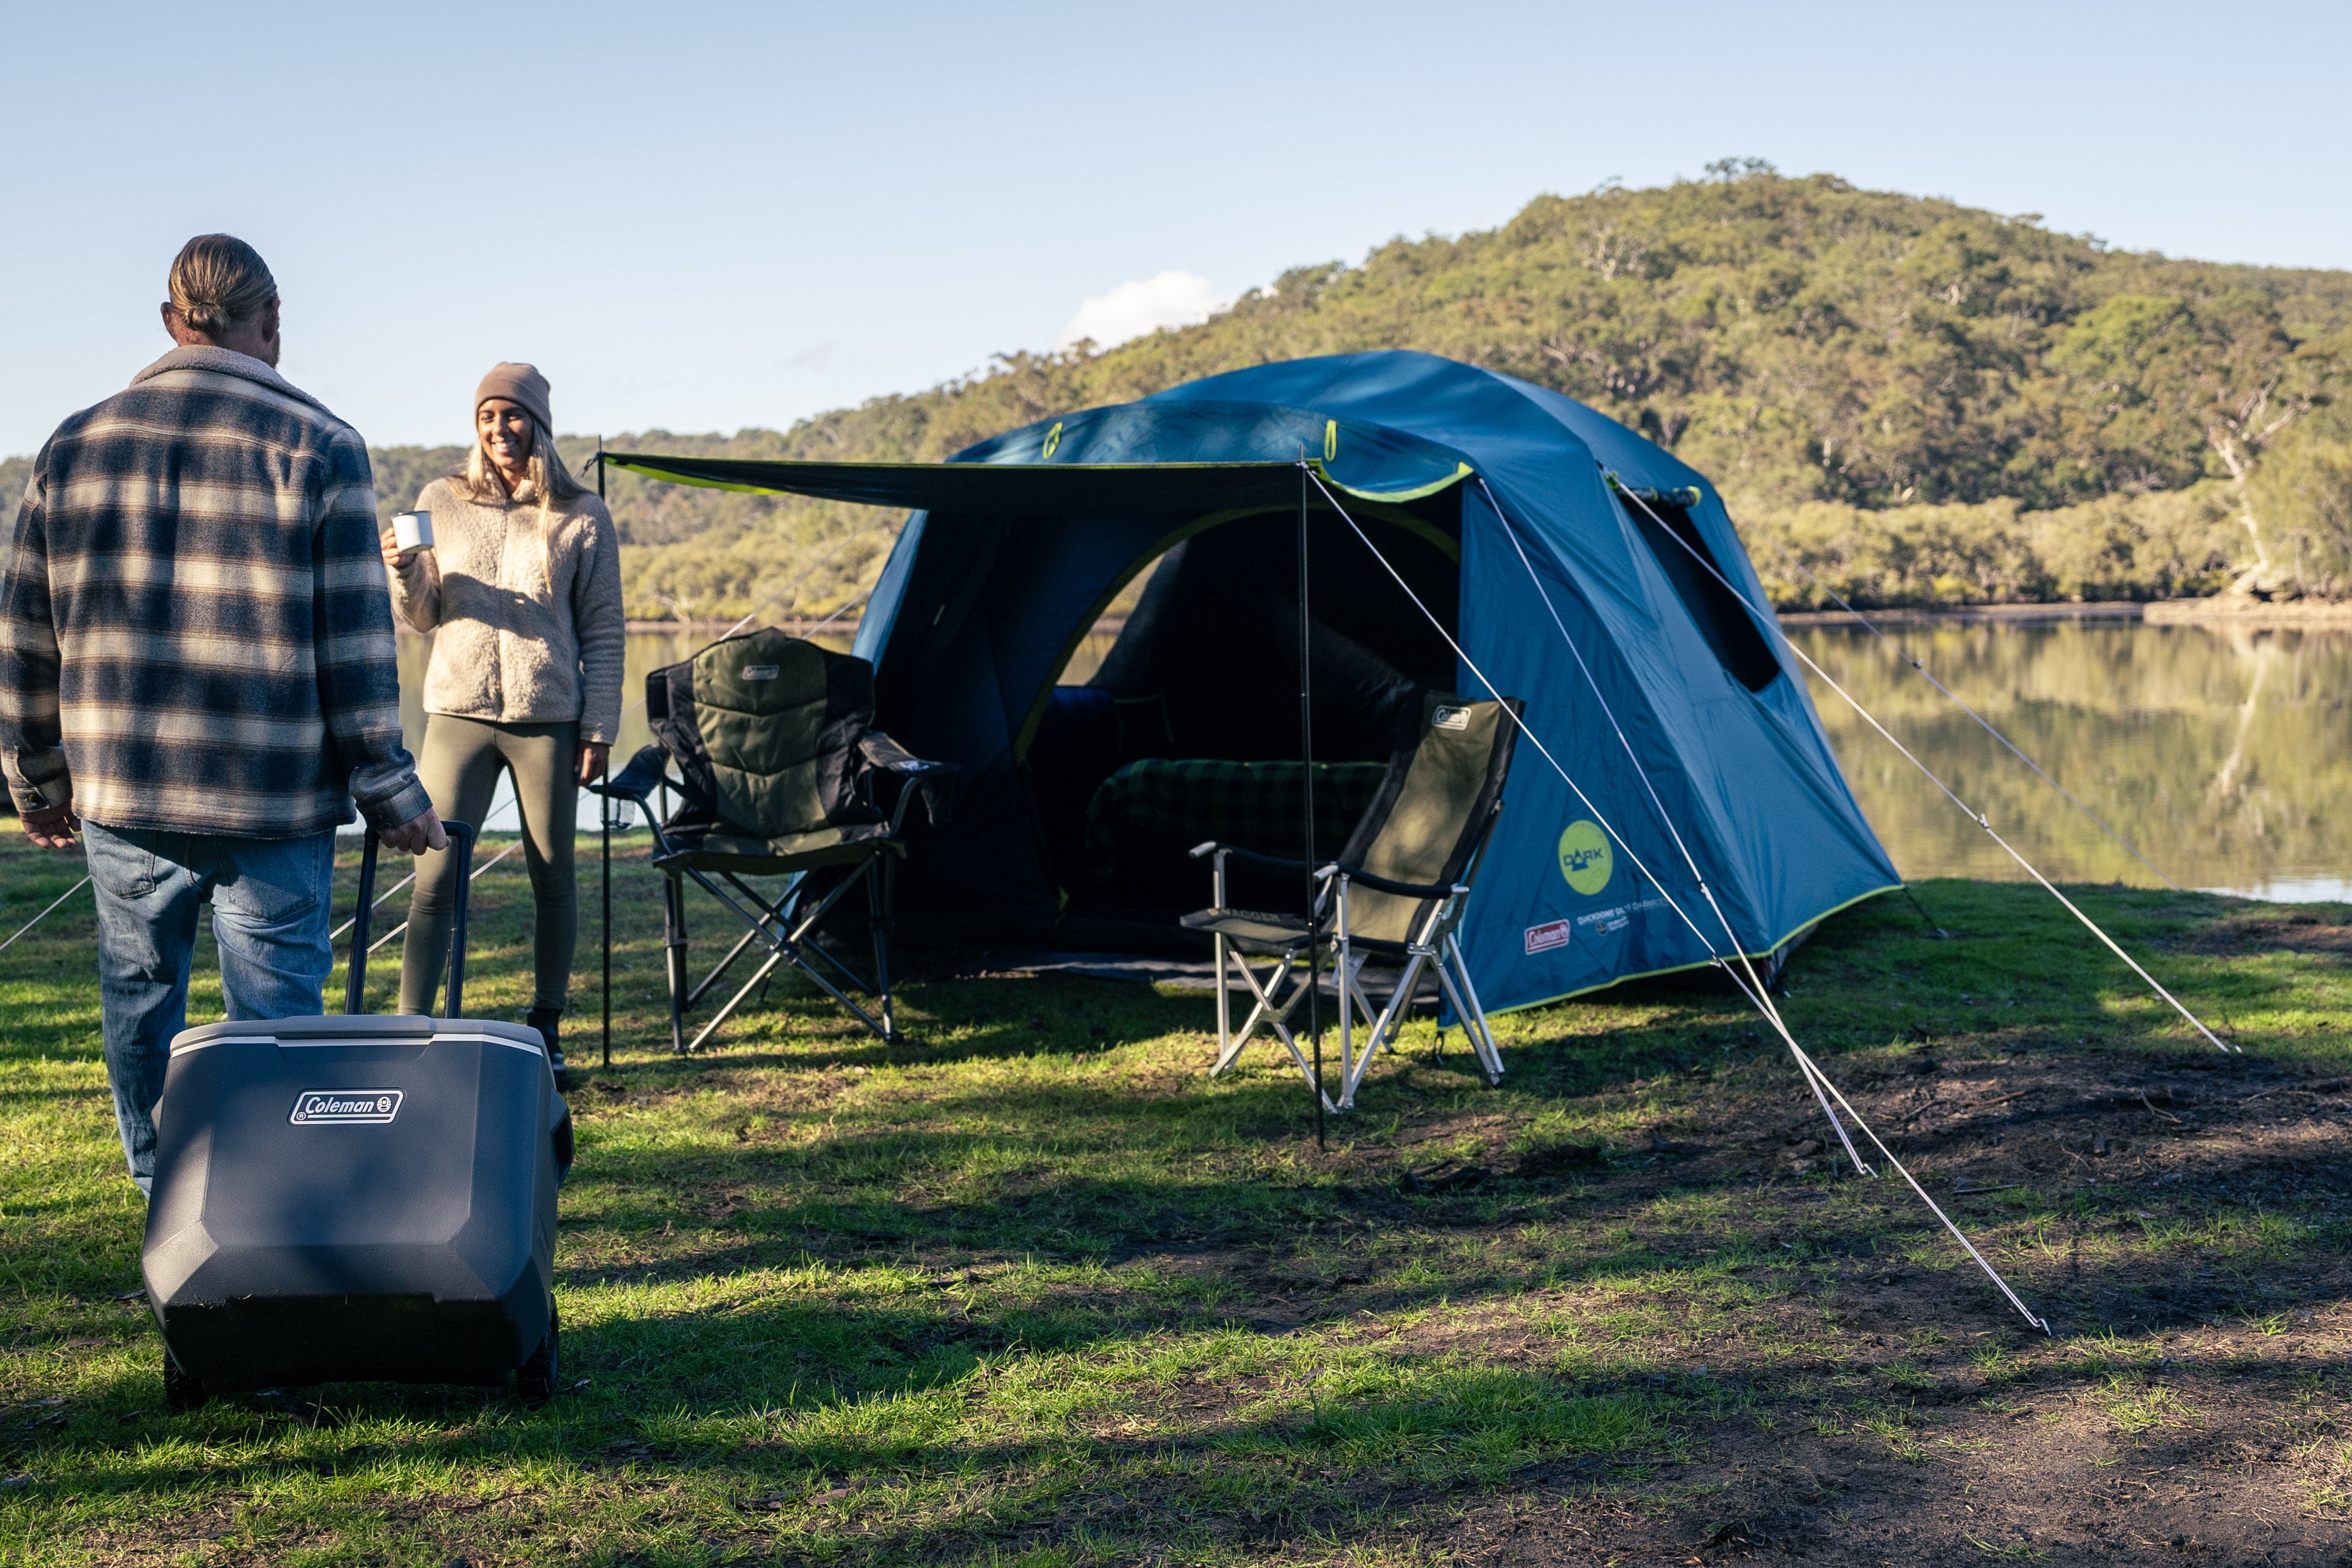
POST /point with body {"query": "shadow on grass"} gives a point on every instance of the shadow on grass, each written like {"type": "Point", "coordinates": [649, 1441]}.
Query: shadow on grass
{"type": "Point", "coordinates": [786, 1272]}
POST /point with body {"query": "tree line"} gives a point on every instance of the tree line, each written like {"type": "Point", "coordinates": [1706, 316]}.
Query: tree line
{"type": "Point", "coordinates": [1902, 398]}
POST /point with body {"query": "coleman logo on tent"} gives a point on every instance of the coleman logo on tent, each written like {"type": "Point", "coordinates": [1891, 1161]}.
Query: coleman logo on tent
{"type": "Point", "coordinates": [1584, 856]}
{"type": "Point", "coordinates": [760, 671]}
{"type": "Point", "coordinates": [344, 1107]}
{"type": "Point", "coordinates": [1549, 935]}
{"type": "Point", "coordinates": [1450, 719]}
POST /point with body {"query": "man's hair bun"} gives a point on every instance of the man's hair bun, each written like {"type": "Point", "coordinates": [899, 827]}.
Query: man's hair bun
{"type": "Point", "coordinates": [218, 280]}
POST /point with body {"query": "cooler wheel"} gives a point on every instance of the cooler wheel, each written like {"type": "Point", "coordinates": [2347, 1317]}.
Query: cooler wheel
{"type": "Point", "coordinates": [181, 1392]}
{"type": "Point", "coordinates": [535, 1379]}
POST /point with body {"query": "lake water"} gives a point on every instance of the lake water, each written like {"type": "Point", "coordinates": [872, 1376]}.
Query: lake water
{"type": "Point", "coordinates": [2223, 752]}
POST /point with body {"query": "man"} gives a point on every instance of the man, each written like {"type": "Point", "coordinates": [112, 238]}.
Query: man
{"type": "Point", "coordinates": [196, 671]}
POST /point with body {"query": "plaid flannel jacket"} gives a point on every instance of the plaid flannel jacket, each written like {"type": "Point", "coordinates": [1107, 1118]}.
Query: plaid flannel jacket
{"type": "Point", "coordinates": [194, 632]}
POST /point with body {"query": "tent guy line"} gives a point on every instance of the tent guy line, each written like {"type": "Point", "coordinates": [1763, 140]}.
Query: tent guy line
{"type": "Point", "coordinates": [475, 876]}
{"type": "Point", "coordinates": [1758, 990]}
{"type": "Point", "coordinates": [38, 919]}
{"type": "Point", "coordinates": [839, 545]}
{"type": "Point", "coordinates": [1871, 628]}
{"type": "Point", "coordinates": [1807, 1066]}
{"type": "Point", "coordinates": [1976, 816]}
{"type": "Point", "coordinates": [338, 934]}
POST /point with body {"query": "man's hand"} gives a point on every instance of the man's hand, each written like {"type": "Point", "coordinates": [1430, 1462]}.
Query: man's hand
{"type": "Point", "coordinates": [418, 835]}
{"type": "Point", "coordinates": [591, 760]}
{"type": "Point", "coordinates": [52, 828]}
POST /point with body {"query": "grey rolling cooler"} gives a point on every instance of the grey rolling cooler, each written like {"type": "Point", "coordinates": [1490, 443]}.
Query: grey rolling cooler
{"type": "Point", "coordinates": [357, 1198]}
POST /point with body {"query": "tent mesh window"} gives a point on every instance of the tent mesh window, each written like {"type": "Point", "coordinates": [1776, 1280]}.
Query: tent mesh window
{"type": "Point", "coordinates": [1723, 618]}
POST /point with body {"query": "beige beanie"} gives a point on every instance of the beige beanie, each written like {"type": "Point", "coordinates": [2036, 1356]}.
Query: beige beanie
{"type": "Point", "coordinates": [518, 383]}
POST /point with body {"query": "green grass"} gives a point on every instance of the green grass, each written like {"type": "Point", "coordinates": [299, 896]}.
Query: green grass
{"type": "Point", "coordinates": [1033, 1290]}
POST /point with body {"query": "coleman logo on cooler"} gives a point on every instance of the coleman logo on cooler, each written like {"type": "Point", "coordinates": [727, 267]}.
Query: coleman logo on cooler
{"type": "Point", "coordinates": [343, 1106]}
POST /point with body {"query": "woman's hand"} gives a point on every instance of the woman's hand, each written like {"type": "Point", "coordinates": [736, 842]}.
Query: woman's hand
{"type": "Point", "coordinates": [591, 760]}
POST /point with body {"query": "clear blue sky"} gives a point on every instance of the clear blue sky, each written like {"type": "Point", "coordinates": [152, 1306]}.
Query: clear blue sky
{"type": "Point", "coordinates": [706, 216]}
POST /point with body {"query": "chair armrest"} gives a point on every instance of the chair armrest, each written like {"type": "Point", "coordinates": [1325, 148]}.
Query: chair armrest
{"type": "Point", "coordinates": [880, 751]}
{"type": "Point", "coordinates": [1385, 885]}
{"type": "Point", "coordinates": [916, 776]}
{"type": "Point", "coordinates": [639, 779]}
{"type": "Point", "coordinates": [1213, 848]}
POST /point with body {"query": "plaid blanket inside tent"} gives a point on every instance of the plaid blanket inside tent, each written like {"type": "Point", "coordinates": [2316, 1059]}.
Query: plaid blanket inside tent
{"type": "Point", "coordinates": [1160, 801]}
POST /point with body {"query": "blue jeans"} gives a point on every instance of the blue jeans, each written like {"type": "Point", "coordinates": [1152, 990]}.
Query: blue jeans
{"type": "Point", "coordinates": [270, 899]}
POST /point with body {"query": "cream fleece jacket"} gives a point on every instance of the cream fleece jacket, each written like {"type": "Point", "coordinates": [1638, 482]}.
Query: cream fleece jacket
{"type": "Point", "coordinates": [510, 645]}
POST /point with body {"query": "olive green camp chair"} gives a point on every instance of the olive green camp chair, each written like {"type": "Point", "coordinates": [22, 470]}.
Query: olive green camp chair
{"type": "Point", "coordinates": [778, 773]}
{"type": "Point", "coordinates": [1396, 893]}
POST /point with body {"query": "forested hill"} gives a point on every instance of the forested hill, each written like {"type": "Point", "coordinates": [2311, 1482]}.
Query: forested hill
{"type": "Point", "coordinates": [1924, 402]}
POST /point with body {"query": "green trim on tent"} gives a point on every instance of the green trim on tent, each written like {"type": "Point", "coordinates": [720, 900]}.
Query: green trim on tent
{"type": "Point", "coordinates": [1462, 471]}
{"type": "Point", "coordinates": [653, 471]}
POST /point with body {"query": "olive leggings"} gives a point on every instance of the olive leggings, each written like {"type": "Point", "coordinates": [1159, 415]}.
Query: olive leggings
{"type": "Point", "coordinates": [459, 769]}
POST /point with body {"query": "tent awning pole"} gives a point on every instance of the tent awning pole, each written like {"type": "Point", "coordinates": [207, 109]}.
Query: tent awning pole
{"type": "Point", "coordinates": [1306, 769]}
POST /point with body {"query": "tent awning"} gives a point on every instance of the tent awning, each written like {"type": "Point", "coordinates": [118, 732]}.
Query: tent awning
{"type": "Point", "coordinates": [1033, 487]}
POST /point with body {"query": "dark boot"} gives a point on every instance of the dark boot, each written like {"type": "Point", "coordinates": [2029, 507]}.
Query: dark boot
{"type": "Point", "coordinates": [545, 1020]}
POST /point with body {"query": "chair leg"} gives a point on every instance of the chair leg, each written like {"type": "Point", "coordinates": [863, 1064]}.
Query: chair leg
{"type": "Point", "coordinates": [1277, 1015]}
{"type": "Point", "coordinates": [1493, 1054]}
{"type": "Point", "coordinates": [1384, 1027]}
{"type": "Point", "coordinates": [674, 958]}
{"type": "Point", "coordinates": [1347, 1012]}
{"type": "Point", "coordinates": [758, 979]}
{"type": "Point", "coordinates": [694, 997]}
{"type": "Point", "coordinates": [1224, 1008]}
{"type": "Point", "coordinates": [878, 905]}
{"type": "Point", "coordinates": [835, 992]}
{"type": "Point", "coordinates": [1230, 1049]}
{"type": "Point", "coordinates": [1474, 1022]}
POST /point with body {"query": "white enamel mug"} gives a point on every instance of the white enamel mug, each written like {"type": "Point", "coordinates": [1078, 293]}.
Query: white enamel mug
{"type": "Point", "coordinates": [412, 530]}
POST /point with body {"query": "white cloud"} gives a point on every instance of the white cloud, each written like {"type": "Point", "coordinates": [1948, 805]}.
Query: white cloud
{"type": "Point", "coordinates": [1170, 300]}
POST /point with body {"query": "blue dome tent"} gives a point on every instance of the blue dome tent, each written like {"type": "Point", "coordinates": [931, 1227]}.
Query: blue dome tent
{"type": "Point", "coordinates": [1448, 507]}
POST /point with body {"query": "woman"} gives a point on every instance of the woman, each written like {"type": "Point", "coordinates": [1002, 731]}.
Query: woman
{"type": "Point", "coordinates": [522, 590]}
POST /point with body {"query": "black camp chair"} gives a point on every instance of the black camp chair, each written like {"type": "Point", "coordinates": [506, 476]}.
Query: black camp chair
{"type": "Point", "coordinates": [1395, 892]}
{"type": "Point", "coordinates": [776, 774]}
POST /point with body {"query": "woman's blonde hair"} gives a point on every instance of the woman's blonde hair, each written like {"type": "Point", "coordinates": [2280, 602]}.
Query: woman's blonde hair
{"type": "Point", "coordinates": [545, 480]}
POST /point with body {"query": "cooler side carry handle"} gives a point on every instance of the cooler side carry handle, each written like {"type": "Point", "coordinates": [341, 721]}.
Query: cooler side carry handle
{"type": "Point", "coordinates": [461, 844]}
{"type": "Point", "coordinates": [356, 980]}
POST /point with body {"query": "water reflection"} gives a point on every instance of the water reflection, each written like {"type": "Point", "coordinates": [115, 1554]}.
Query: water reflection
{"type": "Point", "coordinates": [2220, 751]}
{"type": "Point", "coordinates": [2223, 752]}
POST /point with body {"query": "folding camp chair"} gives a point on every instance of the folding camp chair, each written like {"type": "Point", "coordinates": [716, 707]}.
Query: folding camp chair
{"type": "Point", "coordinates": [776, 768]}
{"type": "Point", "coordinates": [1395, 892]}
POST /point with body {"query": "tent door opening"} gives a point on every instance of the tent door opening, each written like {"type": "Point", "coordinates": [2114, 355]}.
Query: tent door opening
{"type": "Point", "coordinates": [1188, 729]}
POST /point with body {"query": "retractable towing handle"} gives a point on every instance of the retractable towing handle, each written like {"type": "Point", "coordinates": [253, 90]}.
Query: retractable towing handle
{"type": "Point", "coordinates": [461, 844]}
